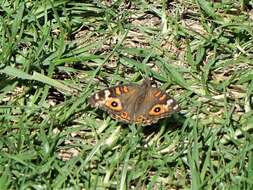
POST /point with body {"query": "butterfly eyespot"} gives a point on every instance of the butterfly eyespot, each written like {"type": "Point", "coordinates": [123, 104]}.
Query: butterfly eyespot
{"type": "Point", "coordinates": [114, 104]}
{"type": "Point", "coordinates": [124, 114]}
{"type": "Point", "coordinates": [157, 109]}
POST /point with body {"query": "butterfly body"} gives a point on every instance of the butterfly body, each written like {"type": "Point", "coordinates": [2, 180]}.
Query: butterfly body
{"type": "Point", "coordinates": [132, 103]}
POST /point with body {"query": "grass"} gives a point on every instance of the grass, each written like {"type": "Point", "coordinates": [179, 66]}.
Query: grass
{"type": "Point", "coordinates": [54, 54]}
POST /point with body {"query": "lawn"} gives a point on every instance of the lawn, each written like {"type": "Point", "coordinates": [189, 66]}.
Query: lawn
{"type": "Point", "coordinates": [55, 54]}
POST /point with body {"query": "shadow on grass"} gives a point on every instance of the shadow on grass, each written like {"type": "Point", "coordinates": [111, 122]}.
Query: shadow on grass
{"type": "Point", "coordinates": [173, 123]}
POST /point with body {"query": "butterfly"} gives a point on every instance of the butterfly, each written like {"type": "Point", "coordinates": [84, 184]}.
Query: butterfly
{"type": "Point", "coordinates": [132, 103]}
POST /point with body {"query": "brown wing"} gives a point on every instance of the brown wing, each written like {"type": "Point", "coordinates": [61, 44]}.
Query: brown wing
{"type": "Point", "coordinates": [155, 105]}
{"type": "Point", "coordinates": [118, 101]}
